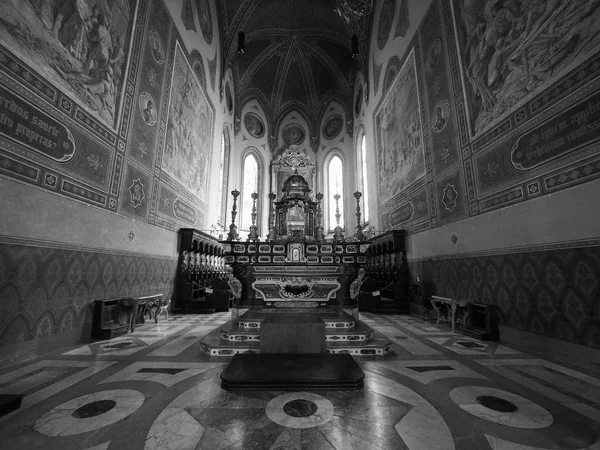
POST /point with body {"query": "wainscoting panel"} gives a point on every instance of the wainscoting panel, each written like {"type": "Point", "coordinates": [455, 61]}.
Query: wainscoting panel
{"type": "Point", "coordinates": [554, 292]}
{"type": "Point", "coordinates": [48, 290]}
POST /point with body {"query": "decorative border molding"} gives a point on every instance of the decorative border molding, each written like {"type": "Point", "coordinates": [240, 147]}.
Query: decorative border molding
{"type": "Point", "coordinates": [510, 250]}
{"type": "Point", "coordinates": [14, 240]}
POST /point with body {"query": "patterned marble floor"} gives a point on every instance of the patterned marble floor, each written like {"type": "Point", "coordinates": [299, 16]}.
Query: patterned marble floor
{"type": "Point", "coordinates": [156, 389]}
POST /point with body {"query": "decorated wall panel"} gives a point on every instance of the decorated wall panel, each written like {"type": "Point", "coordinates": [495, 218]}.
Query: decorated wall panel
{"type": "Point", "coordinates": [551, 292]}
{"type": "Point", "coordinates": [49, 290]}
{"type": "Point", "coordinates": [105, 112]}
{"type": "Point", "coordinates": [506, 111]}
{"type": "Point", "coordinates": [400, 150]}
{"type": "Point", "coordinates": [77, 47]}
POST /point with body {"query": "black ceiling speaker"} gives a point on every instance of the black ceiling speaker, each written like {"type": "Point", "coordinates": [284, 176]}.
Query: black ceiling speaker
{"type": "Point", "coordinates": [241, 42]}
{"type": "Point", "coordinates": [354, 46]}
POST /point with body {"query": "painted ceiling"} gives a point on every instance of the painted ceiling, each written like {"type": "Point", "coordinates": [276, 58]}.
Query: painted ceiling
{"type": "Point", "coordinates": [297, 53]}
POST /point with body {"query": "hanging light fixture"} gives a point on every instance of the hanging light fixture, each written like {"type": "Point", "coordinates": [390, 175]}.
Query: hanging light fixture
{"type": "Point", "coordinates": [241, 42]}
{"type": "Point", "coordinates": [354, 46]}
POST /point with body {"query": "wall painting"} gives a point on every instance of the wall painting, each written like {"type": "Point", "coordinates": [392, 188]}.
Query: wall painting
{"type": "Point", "coordinates": [399, 140]}
{"type": "Point", "coordinates": [510, 51]}
{"type": "Point", "coordinates": [189, 130]}
{"type": "Point", "coordinates": [78, 46]}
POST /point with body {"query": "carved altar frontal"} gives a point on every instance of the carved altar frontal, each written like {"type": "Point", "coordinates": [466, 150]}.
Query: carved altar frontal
{"type": "Point", "coordinates": [296, 291]}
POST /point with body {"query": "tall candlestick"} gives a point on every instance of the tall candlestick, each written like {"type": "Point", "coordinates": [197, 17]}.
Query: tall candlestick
{"type": "Point", "coordinates": [359, 235]}
{"type": "Point", "coordinates": [253, 235]}
{"type": "Point", "coordinates": [233, 234]}
{"type": "Point", "coordinates": [319, 234]}
{"type": "Point", "coordinates": [338, 236]}
{"type": "Point", "coordinates": [337, 209]}
{"type": "Point", "coordinates": [271, 235]}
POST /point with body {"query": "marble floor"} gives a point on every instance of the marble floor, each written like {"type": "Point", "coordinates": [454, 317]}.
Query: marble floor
{"type": "Point", "coordinates": [156, 389]}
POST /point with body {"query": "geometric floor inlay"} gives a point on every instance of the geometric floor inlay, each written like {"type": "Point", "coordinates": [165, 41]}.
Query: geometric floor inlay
{"type": "Point", "coordinates": [103, 408]}
{"type": "Point", "coordinates": [156, 389]}
{"type": "Point", "coordinates": [516, 411]}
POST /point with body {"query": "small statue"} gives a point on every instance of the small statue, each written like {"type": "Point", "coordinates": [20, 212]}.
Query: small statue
{"type": "Point", "coordinates": [235, 287]}
{"type": "Point", "coordinates": [357, 284]}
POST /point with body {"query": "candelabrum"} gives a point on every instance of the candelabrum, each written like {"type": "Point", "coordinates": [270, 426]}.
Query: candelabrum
{"type": "Point", "coordinates": [271, 235]}
{"type": "Point", "coordinates": [319, 232]}
{"type": "Point", "coordinates": [233, 233]}
{"type": "Point", "coordinates": [359, 235]}
{"type": "Point", "coordinates": [253, 235]}
{"type": "Point", "coordinates": [338, 236]}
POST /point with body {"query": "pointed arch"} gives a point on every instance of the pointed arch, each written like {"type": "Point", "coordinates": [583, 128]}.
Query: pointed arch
{"type": "Point", "coordinates": [252, 165]}
{"type": "Point", "coordinates": [362, 173]}
{"type": "Point", "coordinates": [334, 176]}
{"type": "Point", "coordinates": [223, 175]}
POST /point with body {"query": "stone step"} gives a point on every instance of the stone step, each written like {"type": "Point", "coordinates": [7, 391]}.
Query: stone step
{"type": "Point", "coordinates": [335, 319]}
{"type": "Point", "coordinates": [292, 372]}
{"type": "Point", "coordinates": [360, 332]}
{"type": "Point", "coordinates": [240, 342]}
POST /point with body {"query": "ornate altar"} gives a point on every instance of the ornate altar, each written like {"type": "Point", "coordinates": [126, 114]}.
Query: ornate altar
{"type": "Point", "coordinates": [294, 216]}
{"type": "Point", "coordinates": [295, 283]}
{"type": "Point", "coordinates": [292, 160]}
{"type": "Point", "coordinates": [296, 266]}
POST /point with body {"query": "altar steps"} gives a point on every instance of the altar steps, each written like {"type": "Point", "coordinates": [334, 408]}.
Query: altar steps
{"type": "Point", "coordinates": [292, 372]}
{"type": "Point", "coordinates": [343, 334]}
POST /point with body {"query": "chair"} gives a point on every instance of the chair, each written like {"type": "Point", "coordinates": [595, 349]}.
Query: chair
{"type": "Point", "coordinates": [129, 306]}
{"type": "Point", "coordinates": [424, 301]}
{"type": "Point", "coordinates": [163, 307]}
{"type": "Point", "coordinates": [427, 309]}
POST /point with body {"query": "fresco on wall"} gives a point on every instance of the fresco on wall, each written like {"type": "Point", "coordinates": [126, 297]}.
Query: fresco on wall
{"type": "Point", "coordinates": [511, 50]}
{"type": "Point", "coordinates": [386, 18]}
{"type": "Point", "coordinates": [78, 45]}
{"type": "Point", "coordinates": [332, 127]}
{"type": "Point", "coordinates": [254, 125]}
{"type": "Point", "coordinates": [400, 151]}
{"type": "Point", "coordinates": [189, 130]}
{"type": "Point", "coordinates": [293, 134]}
{"type": "Point", "coordinates": [205, 19]}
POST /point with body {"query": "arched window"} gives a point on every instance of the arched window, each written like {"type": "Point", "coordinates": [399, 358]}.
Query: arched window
{"type": "Point", "coordinates": [335, 188]}
{"type": "Point", "coordinates": [223, 175]}
{"type": "Point", "coordinates": [363, 184]}
{"type": "Point", "coordinates": [251, 181]}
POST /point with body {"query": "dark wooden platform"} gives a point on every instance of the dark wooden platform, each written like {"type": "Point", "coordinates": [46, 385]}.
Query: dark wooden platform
{"type": "Point", "coordinates": [292, 372]}
{"type": "Point", "coordinates": [9, 402]}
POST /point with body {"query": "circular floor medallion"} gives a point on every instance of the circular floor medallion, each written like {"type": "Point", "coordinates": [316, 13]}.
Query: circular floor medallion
{"type": "Point", "coordinates": [94, 409]}
{"type": "Point", "coordinates": [300, 410]}
{"type": "Point", "coordinates": [496, 403]}
{"type": "Point", "coordinates": [501, 407]}
{"type": "Point", "coordinates": [89, 412]}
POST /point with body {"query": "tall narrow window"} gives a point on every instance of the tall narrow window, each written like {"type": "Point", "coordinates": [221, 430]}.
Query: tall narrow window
{"type": "Point", "coordinates": [249, 185]}
{"type": "Point", "coordinates": [335, 185]}
{"type": "Point", "coordinates": [223, 169]}
{"type": "Point", "coordinates": [364, 183]}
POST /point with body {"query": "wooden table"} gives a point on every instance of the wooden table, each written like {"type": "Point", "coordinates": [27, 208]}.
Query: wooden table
{"type": "Point", "coordinates": [451, 306]}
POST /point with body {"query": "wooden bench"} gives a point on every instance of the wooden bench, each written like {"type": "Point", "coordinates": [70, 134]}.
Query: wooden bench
{"type": "Point", "coordinates": [115, 317]}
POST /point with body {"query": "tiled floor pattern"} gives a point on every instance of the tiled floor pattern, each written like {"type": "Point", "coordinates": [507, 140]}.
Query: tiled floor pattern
{"type": "Point", "coordinates": [156, 389]}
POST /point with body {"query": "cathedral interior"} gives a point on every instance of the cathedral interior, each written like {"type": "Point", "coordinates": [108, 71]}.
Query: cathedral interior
{"type": "Point", "coordinates": [284, 224]}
